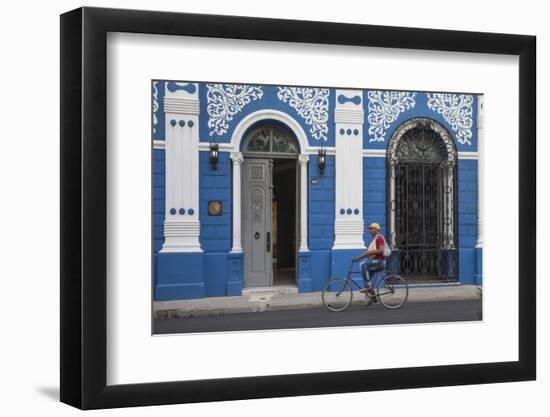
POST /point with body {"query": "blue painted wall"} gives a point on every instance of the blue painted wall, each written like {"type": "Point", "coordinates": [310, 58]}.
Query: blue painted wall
{"type": "Point", "coordinates": [374, 194]}
{"type": "Point", "coordinates": [158, 198]}
{"type": "Point", "coordinates": [180, 276]}
{"type": "Point", "coordinates": [215, 237]}
{"type": "Point", "coordinates": [321, 200]}
{"type": "Point", "coordinates": [158, 194]}
{"type": "Point", "coordinates": [217, 272]}
{"type": "Point", "coordinates": [215, 184]}
{"type": "Point", "coordinates": [467, 219]}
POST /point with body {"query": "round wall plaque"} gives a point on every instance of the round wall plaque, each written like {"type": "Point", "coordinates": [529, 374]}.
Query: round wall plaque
{"type": "Point", "coordinates": [214, 208]}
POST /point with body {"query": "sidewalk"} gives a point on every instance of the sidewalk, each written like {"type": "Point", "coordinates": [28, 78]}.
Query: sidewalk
{"type": "Point", "coordinates": [286, 298]}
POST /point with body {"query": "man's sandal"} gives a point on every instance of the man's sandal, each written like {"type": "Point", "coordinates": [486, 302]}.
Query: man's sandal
{"type": "Point", "coordinates": [371, 298]}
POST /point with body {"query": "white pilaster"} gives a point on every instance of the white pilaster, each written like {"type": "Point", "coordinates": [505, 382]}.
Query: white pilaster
{"type": "Point", "coordinates": [349, 119]}
{"type": "Point", "coordinates": [391, 228]}
{"type": "Point", "coordinates": [303, 161]}
{"type": "Point", "coordinates": [237, 159]}
{"type": "Point", "coordinates": [480, 167]}
{"type": "Point", "coordinates": [181, 224]}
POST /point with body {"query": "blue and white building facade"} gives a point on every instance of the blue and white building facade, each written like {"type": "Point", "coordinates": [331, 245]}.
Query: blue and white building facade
{"type": "Point", "coordinates": [299, 173]}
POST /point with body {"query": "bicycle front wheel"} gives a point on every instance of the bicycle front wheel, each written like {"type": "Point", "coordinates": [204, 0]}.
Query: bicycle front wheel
{"type": "Point", "coordinates": [392, 291]}
{"type": "Point", "coordinates": [337, 294]}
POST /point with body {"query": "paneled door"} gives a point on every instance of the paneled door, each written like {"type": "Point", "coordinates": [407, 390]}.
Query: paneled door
{"type": "Point", "coordinates": [256, 222]}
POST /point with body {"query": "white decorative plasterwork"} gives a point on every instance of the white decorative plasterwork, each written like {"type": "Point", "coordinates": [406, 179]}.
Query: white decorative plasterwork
{"type": "Point", "coordinates": [181, 159]}
{"type": "Point", "coordinates": [349, 116]}
{"type": "Point", "coordinates": [457, 110]}
{"type": "Point", "coordinates": [155, 106]}
{"type": "Point", "coordinates": [311, 104]}
{"type": "Point", "coordinates": [159, 144]}
{"type": "Point", "coordinates": [224, 101]}
{"type": "Point", "coordinates": [384, 109]}
{"type": "Point", "coordinates": [237, 159]}
{"type": "Point", "coordinates": [303, 161]}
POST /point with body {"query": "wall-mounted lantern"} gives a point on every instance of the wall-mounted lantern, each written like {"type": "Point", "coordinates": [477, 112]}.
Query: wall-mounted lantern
{"type": "Point", "coordinates": [322, 159]}
{"type": "Point", "coordinates": [214, 147]}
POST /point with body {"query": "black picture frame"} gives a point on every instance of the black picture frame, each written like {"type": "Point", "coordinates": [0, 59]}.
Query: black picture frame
{"type": "Point", "coordinates": [83, 311]}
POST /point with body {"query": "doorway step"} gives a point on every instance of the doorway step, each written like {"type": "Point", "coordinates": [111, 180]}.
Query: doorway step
{"type": "Point", "coordinates": [277, 289]}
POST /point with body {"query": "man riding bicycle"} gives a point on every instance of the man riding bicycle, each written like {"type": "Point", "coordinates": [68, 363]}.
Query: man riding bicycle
{"type": "Point", "coordinates": [376, 261]}
{"type": "Point", "coordinates": [392, 290]}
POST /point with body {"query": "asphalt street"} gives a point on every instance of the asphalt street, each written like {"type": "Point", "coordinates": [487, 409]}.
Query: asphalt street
{"type": "Point", "coordinates": [421, 312]}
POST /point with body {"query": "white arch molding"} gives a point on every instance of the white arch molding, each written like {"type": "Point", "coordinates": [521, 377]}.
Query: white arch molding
{"type": "Point", "coordinates": [264, 116]}
{"type": "Point", "coordinates": [237, 137]}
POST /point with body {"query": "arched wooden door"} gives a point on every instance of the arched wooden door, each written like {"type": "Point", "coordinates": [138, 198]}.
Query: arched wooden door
{"type": "Point", "coordinates": [261, 146]}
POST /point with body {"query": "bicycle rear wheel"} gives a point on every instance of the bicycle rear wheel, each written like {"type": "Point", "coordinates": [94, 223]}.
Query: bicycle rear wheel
{"type": "Point", "coordinates": [392, 291]}
{"type": "Point", "coordinates": [337, 294]}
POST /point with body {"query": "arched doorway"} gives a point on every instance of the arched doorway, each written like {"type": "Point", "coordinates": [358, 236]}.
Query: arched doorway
{"type": "Point", "coordinates": [422, 202]}
{"type": "Point", "coordinates": [270, 205]}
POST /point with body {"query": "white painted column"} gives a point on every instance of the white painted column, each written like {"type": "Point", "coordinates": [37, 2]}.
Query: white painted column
{"type": "Point", "coordinates": [391, 228]}
{"type": "Point", "coordinates": [480, 167]}
{"type": "Point", "coordinates": [181, 224]}
{"type": "Point", "coordinates": [349, 118]}
{"type": "Point", "coordinates": [303, 161]}
{"type": "Point", "coordinates": [237, 159]}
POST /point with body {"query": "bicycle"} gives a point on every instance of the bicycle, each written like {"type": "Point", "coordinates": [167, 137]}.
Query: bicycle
{"type": "Point", "coordinates": [392, 290]}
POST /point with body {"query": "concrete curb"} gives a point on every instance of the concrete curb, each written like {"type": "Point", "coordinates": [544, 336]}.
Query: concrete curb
{"type": "Point", "coordinates": [271, 300]}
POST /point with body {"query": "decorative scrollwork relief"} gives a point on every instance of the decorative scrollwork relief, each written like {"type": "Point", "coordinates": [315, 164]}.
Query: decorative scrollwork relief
{"type": "Point", "coordinates": [384, 109]}
{"type": "Point", "coordinates": [457, 110]}
{"type": "Point", "coordinates": [257, 203]}
{"type": "Point", "coordinates": [224, 101]}
{"type": "Point", "coordinates": [155, 106]}
{"type": "Point", "coordinates": [311, 104]}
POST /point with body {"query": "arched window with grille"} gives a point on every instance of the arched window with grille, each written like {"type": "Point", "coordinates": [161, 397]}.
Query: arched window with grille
{"type": "Point", "coordinates": [422, 201]}
{"type": "Point", "coordinates": [274, 140]}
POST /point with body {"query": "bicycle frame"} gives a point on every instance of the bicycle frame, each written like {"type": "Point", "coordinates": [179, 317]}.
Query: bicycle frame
{"type": "Point", "coordinates": [384, 284]}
